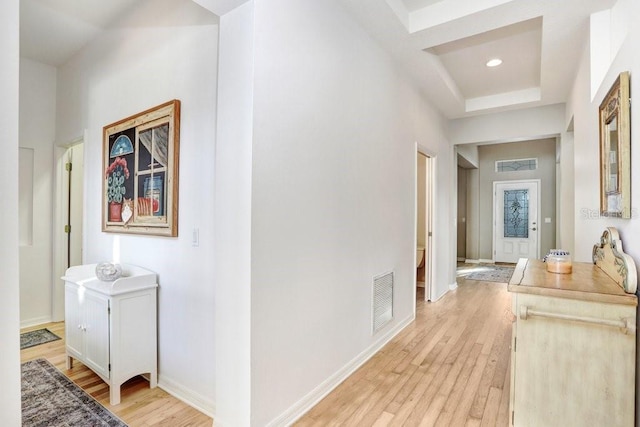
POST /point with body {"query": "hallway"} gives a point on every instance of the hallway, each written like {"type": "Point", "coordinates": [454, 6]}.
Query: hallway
{"type": "Point", "coordinates": [448, 368]}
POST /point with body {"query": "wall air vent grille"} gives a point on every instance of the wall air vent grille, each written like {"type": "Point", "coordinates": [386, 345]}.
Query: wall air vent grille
{"type": "Point", "coordinates": [382, 300]}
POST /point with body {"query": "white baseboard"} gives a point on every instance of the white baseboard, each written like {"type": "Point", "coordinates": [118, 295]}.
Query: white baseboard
{"type": "Point", "coordinates": [452, 287]}
{"type": "Point", "coordinates": [35, 321]}
{"type": "Point", "coordinates": [479, 261]}
{"type": "Point", "coordinates": [201, 403]}
{"type": "Point", "coordinates": [438, 297]}
{"type": "Point", "coordinates": [420, 284]}
{"type": "Point", "coordinates": [303, 405]}
{"type": "Point", "coordinates": [461, 259]}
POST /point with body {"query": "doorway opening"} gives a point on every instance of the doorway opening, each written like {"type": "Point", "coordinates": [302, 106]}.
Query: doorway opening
{"type": "Point", "coordinates": [69, 207]}
{"type": "Point", "coordinates": [424, 215]}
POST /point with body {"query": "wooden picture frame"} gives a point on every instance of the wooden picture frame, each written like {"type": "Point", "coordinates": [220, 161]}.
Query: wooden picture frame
{"type": "Point", "coordinates": [140, 172]}
{"type": "Point", "coordinates": [615, 150]}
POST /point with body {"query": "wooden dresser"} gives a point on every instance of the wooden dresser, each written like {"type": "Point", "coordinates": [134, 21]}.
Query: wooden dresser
{"type": "Point", "coordinates": [573, 352]}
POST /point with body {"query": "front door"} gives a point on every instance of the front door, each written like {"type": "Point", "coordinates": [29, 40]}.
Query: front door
{"type": "Point", "coordinates": [516, 227]}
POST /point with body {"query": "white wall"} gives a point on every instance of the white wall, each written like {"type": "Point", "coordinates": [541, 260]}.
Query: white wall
{"type": "Point", "coordinates": [9, 294]}
{"type": "Point", "coordinates": [469, 153]}
{"type": "Point", "coordinates": [611, 27]}
{"type": "Point", "coordinates": [160, 51]}
{"type": "Point", "coordinates": [565, 234]}
{"type": "Point", "coordinates": [517, 125]}
{"type": "Point", "coordinates": [233, 219]}
{"type": "Point", "coordinates": [333, 201]}
{"type": "Point", "coordinates": [589, 225]}
{"type": "Point", "coordinates": [586, 217]}
{"type": "Point", "coordinates": [473, 215]}
{"type": "Point", "coordinates": [37, 133]}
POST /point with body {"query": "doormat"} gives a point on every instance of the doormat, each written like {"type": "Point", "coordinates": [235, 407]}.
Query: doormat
{"type": "Point", "coordinates": [33, 338]}
{"type": "Point", "coordinates": [491, 273]}
{"type": "Point", "coordinates": [51, 399]}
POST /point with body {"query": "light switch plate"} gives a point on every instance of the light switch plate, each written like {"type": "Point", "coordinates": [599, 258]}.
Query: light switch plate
{"type": "Point", "coordinates": [195, 240]}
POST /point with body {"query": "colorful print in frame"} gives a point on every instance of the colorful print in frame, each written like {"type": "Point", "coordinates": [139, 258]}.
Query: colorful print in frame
{"type": "Point", "coordinates": [140, 172]}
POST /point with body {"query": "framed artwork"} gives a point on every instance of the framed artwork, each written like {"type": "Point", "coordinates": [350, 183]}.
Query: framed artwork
{"type": "Point", "coordinates": [140, 172]}
{"type": "Point", "coordinates": [615, 154]}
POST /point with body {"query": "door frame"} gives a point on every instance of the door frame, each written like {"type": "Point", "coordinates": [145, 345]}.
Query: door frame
{"type": "Point", "coordinates": [537, 182]}
{"type": "Point", "coordinates": [60, 210]}
{"type": "Point", "coordinates": [429, 212]}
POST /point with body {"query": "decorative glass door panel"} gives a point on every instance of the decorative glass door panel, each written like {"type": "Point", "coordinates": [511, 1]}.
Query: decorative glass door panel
{"type": "Point", "coordinates": [516, 213]}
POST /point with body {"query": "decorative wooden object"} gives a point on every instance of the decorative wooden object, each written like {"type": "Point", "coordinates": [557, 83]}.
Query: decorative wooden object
{"type": "Point", "coordinates": [610, 257]}
{"type": "Point", "coordinates": [573, 350]}
{"type": "Point", "coordinates": [111, 326]}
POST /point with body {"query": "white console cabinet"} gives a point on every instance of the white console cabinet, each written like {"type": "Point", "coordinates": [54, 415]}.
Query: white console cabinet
{"type": "Point", "coordinates": [111, 327]}
{"type": "Point", "coordinates": [573, 354]}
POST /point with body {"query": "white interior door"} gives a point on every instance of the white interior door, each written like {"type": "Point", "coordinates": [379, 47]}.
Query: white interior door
{"type": "Point", "coordinates": [428, 250]}
{"type": "Point", "coordinates": [516, 225]}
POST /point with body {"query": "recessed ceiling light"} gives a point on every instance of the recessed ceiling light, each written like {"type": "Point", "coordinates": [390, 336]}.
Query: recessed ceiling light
{"type": "Point", "coordinates": [494, 62]}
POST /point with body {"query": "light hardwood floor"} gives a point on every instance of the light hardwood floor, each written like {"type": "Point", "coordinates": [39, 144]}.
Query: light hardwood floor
{"type": "Point", "coordinates": [140, 405]}
{"type": "Point", "coordinates": [449, 368]}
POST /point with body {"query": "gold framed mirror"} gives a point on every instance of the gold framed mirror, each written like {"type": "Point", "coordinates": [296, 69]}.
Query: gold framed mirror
{"type": "Point", "coordinates": [615, 155]}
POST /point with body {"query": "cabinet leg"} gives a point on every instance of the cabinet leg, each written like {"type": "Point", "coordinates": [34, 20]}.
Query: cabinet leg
{"type": "Point", "coordinates": [114, 394]}
{"type": "Point", "coordinates": [69, 362]}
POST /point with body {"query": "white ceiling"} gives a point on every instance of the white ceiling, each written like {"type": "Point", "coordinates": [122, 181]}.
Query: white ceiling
{"type": "Point", "coordinates": [443, 44]}
{"type": "Point", "coordinates": [51, 31]}
{"type": "Point", "coordinates": [412, 5]}
{"type": "Point", "coordinates": [518, 46]}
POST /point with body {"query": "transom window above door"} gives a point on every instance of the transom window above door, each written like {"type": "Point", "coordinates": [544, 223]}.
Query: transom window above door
{"type": "Point", "coordinates": [516, 165]}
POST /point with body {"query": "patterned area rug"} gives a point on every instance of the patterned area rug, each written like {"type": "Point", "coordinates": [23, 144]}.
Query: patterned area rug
{"type": "Point", "coordinates": [490, 273]}
{"type": "Point", "coordinates": [51, 399]}
{"type": "Point", "coordinates": [33, 338]}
